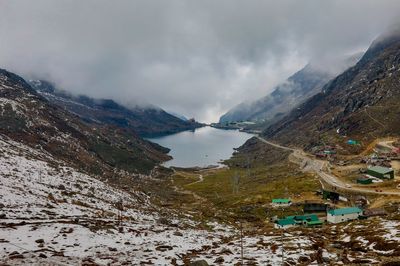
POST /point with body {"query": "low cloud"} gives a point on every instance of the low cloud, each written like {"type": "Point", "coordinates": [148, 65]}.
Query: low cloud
{"type": "Point", "coordinates": [197, 58]}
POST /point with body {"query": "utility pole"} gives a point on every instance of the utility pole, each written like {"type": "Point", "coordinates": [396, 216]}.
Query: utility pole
{"type": "Point", "coordinates": [283, 258]}
{"type": "Point", "coordinates": [241, 242]}
{"type": "Point", "coordinates": [248, 166]}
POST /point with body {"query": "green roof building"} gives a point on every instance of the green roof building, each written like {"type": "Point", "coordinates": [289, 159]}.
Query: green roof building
{"type": "Point", "coordinates": [343, 214]}
{"type": "Point", "coordinates": [281, 202]}
{"type": "Point", "coordinates": [364, 180]}
{"type": "Point", "coordinates": [381, 172]}
{"type": "Point", "coordinates": [307, 220]}
{"type": "Point", "coordinates": [286, 222]}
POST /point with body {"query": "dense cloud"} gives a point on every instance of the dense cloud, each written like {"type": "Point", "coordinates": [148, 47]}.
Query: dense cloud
{"type": "Point", "coordinates": [197, 58]}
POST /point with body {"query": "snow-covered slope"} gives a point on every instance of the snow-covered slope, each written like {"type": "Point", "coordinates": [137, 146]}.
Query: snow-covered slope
{"type": "Point", "coordinates": [53, 214]}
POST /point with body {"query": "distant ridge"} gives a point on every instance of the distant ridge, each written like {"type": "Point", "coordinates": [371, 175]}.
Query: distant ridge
{"type": "Point", "coordinates": [146, 121]}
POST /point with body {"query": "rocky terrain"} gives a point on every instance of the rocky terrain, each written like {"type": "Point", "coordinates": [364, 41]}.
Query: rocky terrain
{"type": "Point", "coordinates": [295, 90]}
{"type": "Point", "coordinates": [53, 214]}
{"type": "Point", "coordinates": [145, 121]}
{"type": "Point", "coordinates": [360, 104]}
{"type": "Point", "coordinates": [29, 118]}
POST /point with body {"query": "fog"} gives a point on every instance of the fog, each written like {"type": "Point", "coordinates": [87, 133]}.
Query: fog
{"type": "Point", "coordinates": [195, 58]}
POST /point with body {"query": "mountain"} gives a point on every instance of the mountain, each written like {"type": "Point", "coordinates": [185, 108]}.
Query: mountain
{"type": "Point", "coordinates": [295, 90]}
{"type": "Point", "coordinates": [146, 121]}
{"type": "Point", "coordinates": [362, 103]}
{"type": "Point", "coordinates": [28, 118]}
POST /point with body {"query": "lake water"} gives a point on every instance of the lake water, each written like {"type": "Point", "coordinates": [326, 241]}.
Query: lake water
{"type": "Point", "coordinates": [203, 147]}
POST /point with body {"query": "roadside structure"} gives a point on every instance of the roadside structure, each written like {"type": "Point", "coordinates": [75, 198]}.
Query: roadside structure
{"type": "Point", "coordinates": [311, 207]}
{"type": "Point", "coordinates": [364, 180]}
{"type": "Point", "coordinates": [374, 212]}
{"type": "Point", "coordinates": [333, 196]}
{"type": "Point", "coordinates": [381, 172]}
{"type": "Point", "coordinates": [343, 214]}
{"type": "Point", "coordinates": [281, 202]}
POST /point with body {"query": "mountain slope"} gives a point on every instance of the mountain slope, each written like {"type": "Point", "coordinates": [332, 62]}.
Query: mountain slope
{"type": "Point", "coordinates": [146, 121]}
{"type": "Point", "coordinates": [298, 87]}
{"type": "Point", "coordinates": [362, 103]}
{"type": "Point", "coordinates": [29, 118]}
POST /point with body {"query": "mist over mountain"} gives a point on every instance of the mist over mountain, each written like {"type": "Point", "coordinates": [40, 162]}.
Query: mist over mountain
{"type": "Point", "coordinates": [361, 103]}
{"type": "Point", "coordinates": [295, 90]}
{"type": "Point", "coordinates": [147, 120]}
{"type": "Point", "coordinates": [198, 58]}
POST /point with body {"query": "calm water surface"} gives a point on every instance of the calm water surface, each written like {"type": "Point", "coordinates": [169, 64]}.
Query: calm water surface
{"type": "Point", "coordinates": [203, 147]}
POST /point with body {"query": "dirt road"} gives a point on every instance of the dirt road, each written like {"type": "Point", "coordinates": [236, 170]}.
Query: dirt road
{"type": "Point", "coordinates": [322, 169]}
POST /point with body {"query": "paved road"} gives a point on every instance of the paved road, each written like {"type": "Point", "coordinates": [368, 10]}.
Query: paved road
{"type": "Point", "coordinates": [322, 168]}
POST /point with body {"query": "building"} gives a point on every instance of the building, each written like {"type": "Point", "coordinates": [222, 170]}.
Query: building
{"type": "Point", "coordinates": [374, 212]}
{"type": "Point", "coordinates": [381, 172]}
{"type": "Point", "coordinates": [285, 223]}
{"type": "Point", "coordinates": [309, 220]}
{"type": "Point", "coordinates": [314, 207]}
{"type": "Point", "coordinates": [343, 214]}
{"type": "Point", "coordinates": [333, 196]}
{"type": "Point", "coordinates": [364, 180]}
{"type": "Point", "coordinates": [281, 202]}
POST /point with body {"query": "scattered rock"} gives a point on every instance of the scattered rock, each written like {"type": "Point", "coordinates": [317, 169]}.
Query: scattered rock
{"type": "Point", "coordinates": [219, 260]}
{"type": "Point", "coordinates": [15, 256]}
{"type": "Point", "coordinates": [66, 230]}
{"type": "Point", "coordinates": [177, 233]}
{"type": "Point", "coordinates": [41, 240]}
{"type": "Point", "coordinates": [112, 249]}
{"type": "Point", "coordinates": [41, 255]}
{"type": "Point", "coordinates": [164, 248]}
{"type": "Point", "coordinates": [199, 263]}
{"type": "Point", "coordinates": [164, 221]}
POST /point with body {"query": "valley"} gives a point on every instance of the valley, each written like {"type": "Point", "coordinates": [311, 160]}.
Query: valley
{"type": "Point", "coordinates": [199, 134]}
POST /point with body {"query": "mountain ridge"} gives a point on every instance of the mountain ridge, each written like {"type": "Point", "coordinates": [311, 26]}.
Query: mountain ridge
{"type": "Point", "coordinates": [361, 103]}
{"type": "Point", "coordinates": [145, 121]}
{"type": "Point", "coordinates": [29, 118]}
{"type": "Point", "coordinates": [296, 89]}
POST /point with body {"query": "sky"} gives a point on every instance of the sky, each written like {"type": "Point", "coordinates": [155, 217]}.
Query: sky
{"type": "Point", "coordinates": [195, 58]}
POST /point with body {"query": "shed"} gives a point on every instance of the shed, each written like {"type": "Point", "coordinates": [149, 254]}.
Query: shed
{"type": "Point", "coordinates": [314, 223]}
{"type": "Point", "coordinates": [364, 180]}
{"type": "Point", "coordinates": [374, 212]}
{"type": "Point", "coordinates": [307, 219]}
{"type": "Point", "coordinates": [334, 196]}
{"type": "Point", "coordinates": [285, 222]}
{"type": "Point", "coordinates": [314, 207]}
{"type": "Point", "coordinates": [381, 172]}
{"type": "Point", "coordinates": [281, 202]}
{"type": "Point", "coordinates": [343, 214]}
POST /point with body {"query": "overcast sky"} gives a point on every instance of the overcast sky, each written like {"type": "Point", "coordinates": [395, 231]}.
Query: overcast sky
{"type": "Point", "coordinates": [196, 58]}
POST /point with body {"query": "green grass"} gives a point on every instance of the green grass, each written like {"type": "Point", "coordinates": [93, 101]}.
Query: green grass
{"type": "Point", "coordinates": [254, 191]}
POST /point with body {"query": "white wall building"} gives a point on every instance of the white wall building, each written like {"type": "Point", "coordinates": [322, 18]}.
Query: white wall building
{"type": "Point", "coordinates": [343, 215]}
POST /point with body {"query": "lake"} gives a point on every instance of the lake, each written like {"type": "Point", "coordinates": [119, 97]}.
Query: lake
{"type": "Point", "coordinates": [202, 147]}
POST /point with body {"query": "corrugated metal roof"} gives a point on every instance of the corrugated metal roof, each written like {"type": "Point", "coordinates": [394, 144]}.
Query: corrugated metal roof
{"type": "Point", "coordinates": [380, 169]}
{"type": "Point", "coordinates": [281, 200]}
{"type": "Point", "coordinates": [341, 211]}
{"type": "Point", "coordinates": [286, 221]}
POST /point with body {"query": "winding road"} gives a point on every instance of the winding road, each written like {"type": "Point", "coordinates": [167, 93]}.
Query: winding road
{"type": "Point", "coordinates": [322, 169]}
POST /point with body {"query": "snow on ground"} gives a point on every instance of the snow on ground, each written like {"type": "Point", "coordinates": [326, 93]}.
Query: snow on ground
{"type": "Point", "coordinates": [56, 215]}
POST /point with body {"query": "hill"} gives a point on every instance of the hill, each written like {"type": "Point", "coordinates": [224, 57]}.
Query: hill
{"type": "Point", "coordinates": [146, 121]}
{"type": "Point", "coordinates": [362, 103]}
{"type": "Point", "coordinates": [29, 118]}
{"type": "Point", "coordinates": [295, 90]}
